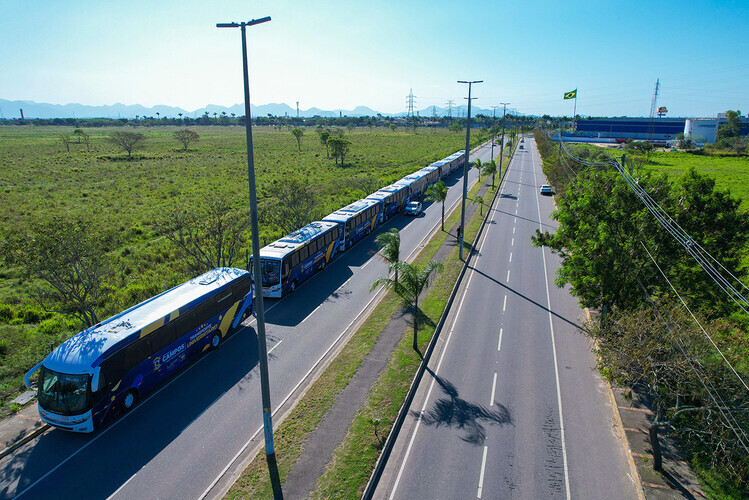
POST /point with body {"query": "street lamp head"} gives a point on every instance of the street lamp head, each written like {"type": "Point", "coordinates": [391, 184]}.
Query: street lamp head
{"type": "Point", "coordinates": [242, 24]}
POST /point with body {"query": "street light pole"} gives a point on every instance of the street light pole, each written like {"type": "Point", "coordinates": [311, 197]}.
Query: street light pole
{"type": "Point", "coordinates": [259, 307]}
{"type": "Point", "coordinates": [494, 131]}
{"type": "Point", "coordinates": [502, 145]}
{"type": "Point", "coordinates": [465, 169]}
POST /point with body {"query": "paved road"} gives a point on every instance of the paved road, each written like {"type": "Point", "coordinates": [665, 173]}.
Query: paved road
{"type": "Point", "coordinates": [179, 440]}
{"type": "Point", "coordinates": [512, 406]}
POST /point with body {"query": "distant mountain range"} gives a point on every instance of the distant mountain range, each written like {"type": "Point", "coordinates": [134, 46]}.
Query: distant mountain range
{"type": "Point", "coordinates": [11, 110]}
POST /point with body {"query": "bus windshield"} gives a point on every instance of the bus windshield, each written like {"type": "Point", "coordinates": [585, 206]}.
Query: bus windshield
{"type": "Point", "coordinates": [270, 270]}
{"type": "Point", "coordinates": [62, 393]}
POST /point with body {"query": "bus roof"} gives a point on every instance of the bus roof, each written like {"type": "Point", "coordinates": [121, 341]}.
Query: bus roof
{"type": "Point", "coordinates": [80, 353]}
{"type": "Point", "coordinates": [415, 176]}
{"type": "Point", "coordinates": [351, 211]}
{"type": "Point", "coordinates": [386, 192]}
{"type": "Point", "coordinates": [281, 248]}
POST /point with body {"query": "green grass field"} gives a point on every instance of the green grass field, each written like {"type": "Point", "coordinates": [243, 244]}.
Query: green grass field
{"type": "Point", "coordinates": [730, 172]}
{"type": "Point", "coordinates": [39, 178]}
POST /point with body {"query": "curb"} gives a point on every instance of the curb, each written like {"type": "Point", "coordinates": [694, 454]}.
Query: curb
{"type": "Point", "coordinates": [36, 432]}
{"type": "Point", "coordinates": [620, 426]}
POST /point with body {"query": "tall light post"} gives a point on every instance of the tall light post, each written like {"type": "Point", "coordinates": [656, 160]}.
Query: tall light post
{"type": "Point", "coordinates": [465, 169]}
{"type": "Point", "coordinates": [502, 144]}
{"type": "Point", "coordinates": [494, 127]}
{"type": "Point", "coordinates": [270, 451]}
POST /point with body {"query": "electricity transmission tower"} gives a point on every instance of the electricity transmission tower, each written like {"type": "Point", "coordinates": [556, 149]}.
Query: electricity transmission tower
{"type": "Point", "coordinates": [410, 103]}
{"type": "Point", "coordinates": [450, 108]}
{"type": "Point", "coordinates": [297, 109]}
{"type": "Point", "coordinates": [653, 109]}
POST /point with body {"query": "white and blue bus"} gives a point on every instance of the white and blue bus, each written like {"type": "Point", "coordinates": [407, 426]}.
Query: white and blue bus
{"type": "Point", "coordinates": [432, 174]}
{"type": "Point", "coordinates": [103, 370]}
{"type": "Point", "coordinates": [356, 221]}
{"type": "Point", "coordinates": [285, 263]}
{"type": "Point", "coordinates": [392, 199]}
{"type": "Point", "coordinates": [416, 182]}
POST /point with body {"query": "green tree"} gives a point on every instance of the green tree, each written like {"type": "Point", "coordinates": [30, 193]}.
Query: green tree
{"type": "Point", "coordinates": [339, 148]}
{"type": "Point", "coordinates": [732, 128]}
{"type": "Point", "coordinates": [324, 136]}
{"type": "Point", "coordinates": [65, 139]}
{"type": "Point", "coordinates": [480, 201]}
{"type": "Point", "coordinates": [294, 204]}
{"type": "Point", "coordinates": [127, 141]}
{"type": "Point", "coordinates": [390, 244]}
{"type": "Point", "coordinates": [68, 257]}
{"type": "Point", "coordinates": [438, 192]}
{"type": "Point", "coordinates": [209, 235]}
{"type": "Point", "coordinates": [78, 133]}
{"type": "Point", "coordinates": [186, 136]}
{"type": "Point", "coordinates": [455, 127]}
{"type": "Point", "coordinates": [490, 168]}
{"type": "Point", "coordinates": [298, 133]}
{"type": "Point", "coordinates": [413, 281]}
{"type": "Point", "coordinates": [478, 165]}
{"type": "Point", "coordinates": [393, 126]}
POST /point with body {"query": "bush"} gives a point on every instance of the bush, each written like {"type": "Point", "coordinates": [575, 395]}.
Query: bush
{"type": "Point", "coordinates": [7, 313]}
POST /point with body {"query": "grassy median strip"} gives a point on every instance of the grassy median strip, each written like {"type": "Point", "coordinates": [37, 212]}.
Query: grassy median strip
{"type": "Point", "coordinates": [348, 473]}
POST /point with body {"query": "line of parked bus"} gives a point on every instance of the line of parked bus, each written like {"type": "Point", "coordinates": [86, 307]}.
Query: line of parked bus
{"type": "Point", "coordinates": [287, 262]}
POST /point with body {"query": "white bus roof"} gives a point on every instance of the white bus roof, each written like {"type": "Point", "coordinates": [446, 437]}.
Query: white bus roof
{"type": "Point", "coordinates": [351, 211]}
{"type": "Point", "coordinates": [281, 248]}
{"type": "Point", "coordinates": [80, 353]}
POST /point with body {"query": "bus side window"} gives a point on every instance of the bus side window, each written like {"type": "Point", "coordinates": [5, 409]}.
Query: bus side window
{"type": "Point", "coordinates": [137, 352]}
{"type": "Point", "coordinates": [114, 367]}
{"type": "Point", "coordinates": [205, 310]}
{"type": "Point", "coordinates": [295, 259]}
{"type": "Point", "coordinates": [184, 323]}
{"type": "Point", "coordinates": [162, 337]}
{"type": "Point", "coordinates": [286, 267]}
{"type": "Point", "coordinates": [240, 289]}
{"type": "Point", "coordinates": [304, 253]}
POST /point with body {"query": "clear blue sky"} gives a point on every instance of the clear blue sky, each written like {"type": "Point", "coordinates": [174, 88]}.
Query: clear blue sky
{"type": "Point", "coordinates": [344, 53]}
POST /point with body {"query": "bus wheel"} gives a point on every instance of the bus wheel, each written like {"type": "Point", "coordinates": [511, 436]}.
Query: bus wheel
{"type": "Point", "coordinates": [293, 286]}
{"type": "Point", "coordinates": [215, 340]}
{"type": "Point", "coordinates": [129, 401]}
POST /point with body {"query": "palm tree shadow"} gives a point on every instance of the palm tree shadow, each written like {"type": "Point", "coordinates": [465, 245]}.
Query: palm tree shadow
{"type": "Point", "coordinates": [454, 412]}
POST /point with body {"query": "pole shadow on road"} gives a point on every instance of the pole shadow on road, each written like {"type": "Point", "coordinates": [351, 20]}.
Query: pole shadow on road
{"type": "Point", "coordinates": [457, 413]}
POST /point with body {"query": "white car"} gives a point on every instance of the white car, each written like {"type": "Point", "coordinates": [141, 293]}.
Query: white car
{"type": "Point", "coordinates": [413, 208]}
{"type": "Point", "coordinates": [546, 189]}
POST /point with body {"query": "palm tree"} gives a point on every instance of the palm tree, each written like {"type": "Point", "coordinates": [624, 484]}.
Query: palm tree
{"type": "Point", "coordinates": [490, 168]}
{"type": "Point", "coordinates": [478, 165]}
{"type": "Point", "coordinates": [438, 192]}
{"type": "Point", "coordinates": [390, 245]}
{"type": "Point", "coordinates": [480, 201]}
{"type": "Point", "coordinates": [413, 282]}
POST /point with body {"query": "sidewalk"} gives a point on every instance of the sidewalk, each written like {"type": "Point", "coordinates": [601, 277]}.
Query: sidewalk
{"type": "Point", "coordinates": [21, 427]}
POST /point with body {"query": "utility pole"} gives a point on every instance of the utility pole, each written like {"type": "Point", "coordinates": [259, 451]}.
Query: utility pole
{"type": "Point", "coordinates": [465, 168]}
{"type": "Point", "coordinates": [450, 108]}
{"type": "Point", "coordinates": [270, 452]}
{"type": "Point", "coordinates": [494, 132]}
{"type": "Point", "coordinates": [410, 103]}
{"type": "Point", "coordinates": [502, 145]}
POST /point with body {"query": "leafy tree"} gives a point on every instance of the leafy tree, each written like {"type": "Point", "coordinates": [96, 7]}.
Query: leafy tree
{"type": "Point", "coordinates": [732, 128]}
{"type": "Point", "coordinates": [413, 281]}
{"type": "Point", "coordinates": [438, 192]}
{"type": "Point", "coordinates": [684, 142]}
{"type": "Point", "coordinates": [298, 133]}
{"type": "Point", "coordinates": [455, 127]}
{"type": "Point", "coordinates": [390, 243]}
{"type": "Point", "coordinates": [339, 148]}
{"type": "Point", "coordinates": [490, 168]}
{"type": "Point", "coordinates": [127, 141]}
{"type": "Point", "coordinates": [324, 136]}
{"type": "Point", "coordinates": [480, 201]}
{"type": "Point", "coordinates": [294, 204]}
{"type": "Point", "coordinates": [393, 126]}
{"type": "Point", "coordinates": [68, 257]}
{"type": "Point", "coordinates": [186, 137]}
{"type": "Point", "coordinates": [79, 133]}
{"type": "Point", "coordinates": [209, 235]}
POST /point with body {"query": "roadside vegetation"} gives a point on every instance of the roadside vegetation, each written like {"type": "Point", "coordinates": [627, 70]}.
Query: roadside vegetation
{"type": "Point", "coordinates": [150, 215]}
{"type": "Point", "coordinates": [616, 257]}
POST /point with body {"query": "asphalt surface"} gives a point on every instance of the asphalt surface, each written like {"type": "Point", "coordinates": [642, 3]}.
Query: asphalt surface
{"type": "Point", "coordinates": [512, 406]}
{"type": "Point", "coordinates": [181, 438]}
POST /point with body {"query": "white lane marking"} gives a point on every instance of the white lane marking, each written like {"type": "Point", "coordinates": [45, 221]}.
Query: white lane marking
{"type": "Point", "coordinates": [313, 312]}
{"type": "Point", "coordinates": [512, 243]}
{"type": "Point", "coordinates": [494, 389]}
{"type": "Point", "coordinates": [504, 304]}
{"type": "Point", "coordinates": [436, 371]}
{"type": "Point", "coordinates": [481, 475]}
{"type": "Point", "coordinates": [513, 229]}
{"type": "Point", "coordinates": [553, 348]}
{"type": "Point", "coordinates": [499, 345]}
{"type": "Point", "coordinates": [508, 276]}
{"type": "Point", "coordinates": [515, 221]}
{"type": "Point", "coordinates": [510, 256]}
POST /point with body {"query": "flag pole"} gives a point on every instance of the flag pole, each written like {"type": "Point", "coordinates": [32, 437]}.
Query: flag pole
{"type": "Point", "coordinates": [574, 113]}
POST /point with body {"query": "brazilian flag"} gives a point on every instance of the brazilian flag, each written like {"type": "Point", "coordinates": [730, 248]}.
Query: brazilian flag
{"type": "Point", "coordinates": [571, 94]}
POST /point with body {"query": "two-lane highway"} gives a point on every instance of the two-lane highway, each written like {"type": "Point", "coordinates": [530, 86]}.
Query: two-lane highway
{"type": "Point", "coordinates": [512, 406]}
{"type": "Point", "coordinates": [181, 439]}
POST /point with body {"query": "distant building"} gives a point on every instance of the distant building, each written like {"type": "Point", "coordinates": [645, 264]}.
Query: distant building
{"type": "Point", "coordinates": [664, 129]}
